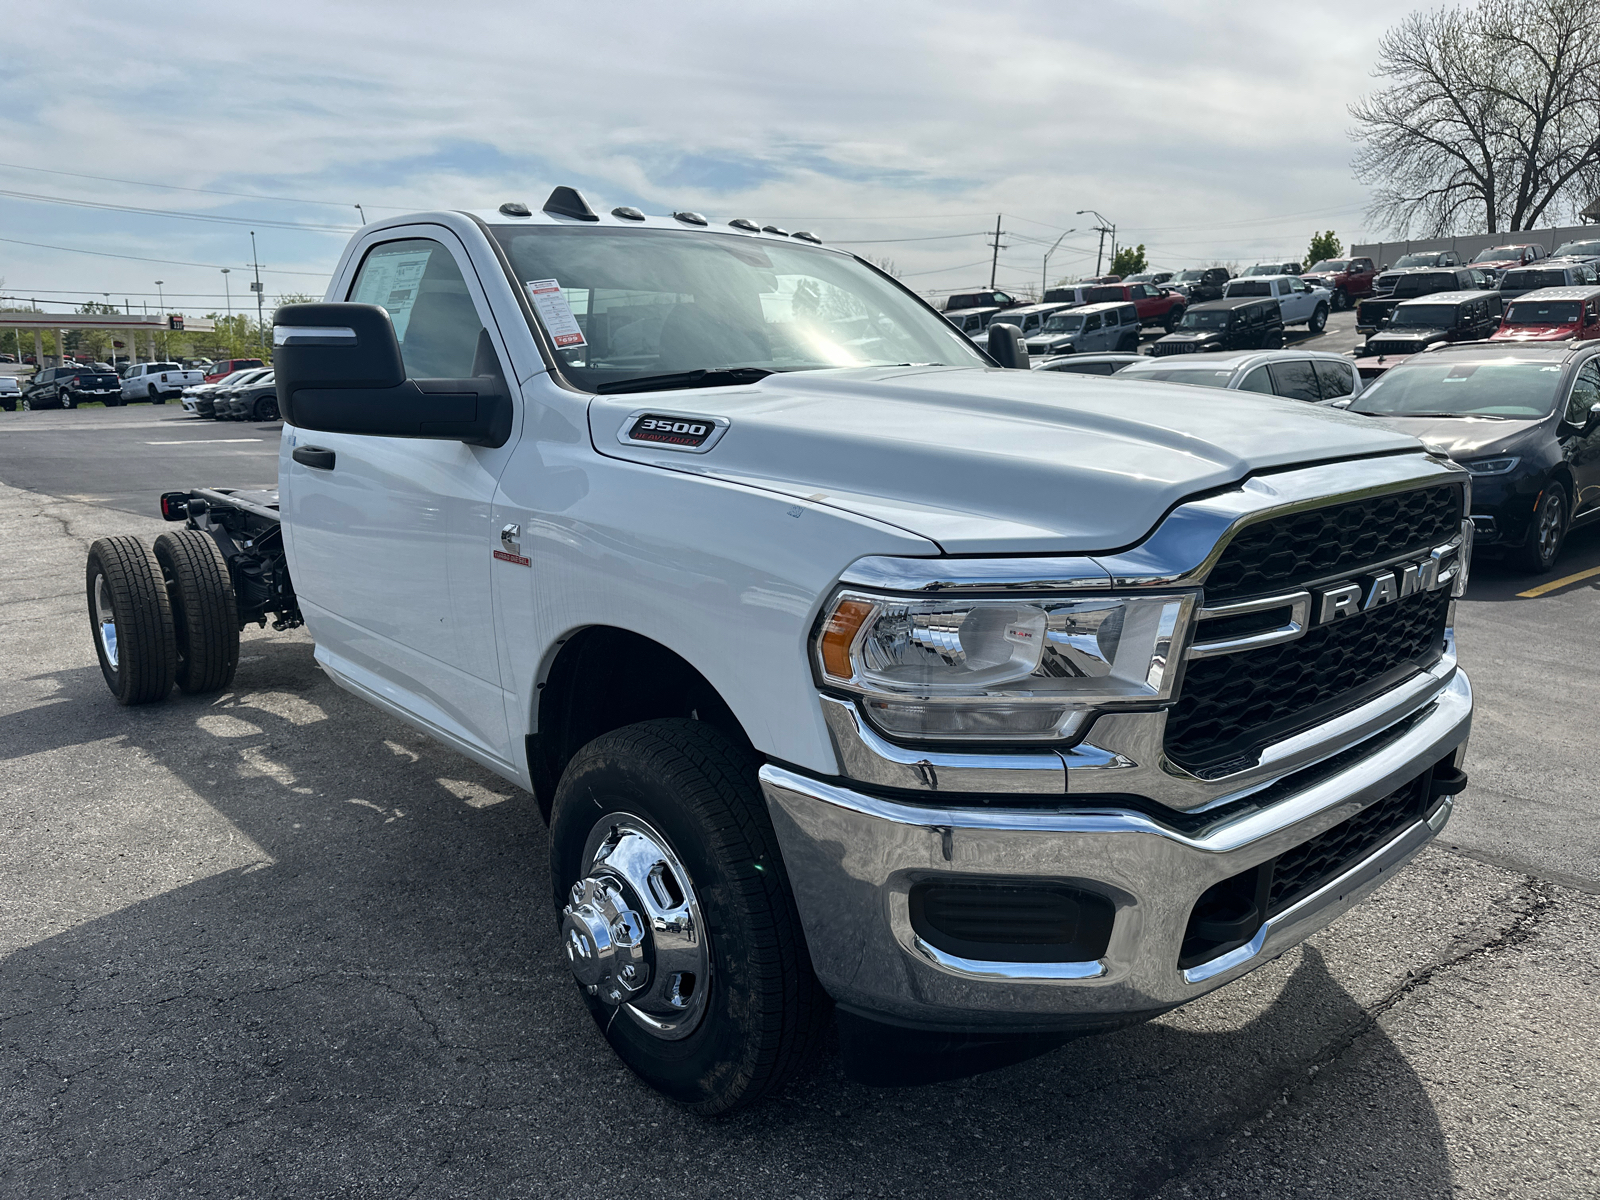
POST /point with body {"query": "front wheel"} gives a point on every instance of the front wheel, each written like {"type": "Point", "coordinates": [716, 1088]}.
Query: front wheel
{"type": "Point", "coordinates": [676, 915]}
{"type": "Point", "coordinates": [1549, 531]}
{"type": "Point", "coordinates": [1319, 319]}
{"type": "Point", "coordinates": [266, 409]}
{"type": "Point", "coordinates": [1341, 300]}
{"type": "Point", "coordinates": [1174, 319]}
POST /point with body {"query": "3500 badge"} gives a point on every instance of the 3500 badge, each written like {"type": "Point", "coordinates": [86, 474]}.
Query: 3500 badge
{"type": "Point", "coordinates": [679, 432]}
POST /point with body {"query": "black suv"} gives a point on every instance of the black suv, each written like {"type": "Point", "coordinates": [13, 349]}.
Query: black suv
{"type": "Point", "coordinates": [980, 300]}
{"type": "Point", "coordinates": [67, 387]}
{"type": "Point", "coordinates": [1236, 324]}
{"type": "Point", "coordinates": [1535, 460]}
{"type": "Point", "coordinates": [1394, 286]}
{"type": "Point", "coordinates": [1433, 258]}
{"type": "Point", "coordinates": [1444, 317]}
{"type": "Point", "coordinates": [1201, 283]}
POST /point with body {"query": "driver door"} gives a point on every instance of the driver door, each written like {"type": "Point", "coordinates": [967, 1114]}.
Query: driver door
{"type": "Point", "coordinates": [1580, 438]}
{"type": "Point", "coordinates": [391, 538]}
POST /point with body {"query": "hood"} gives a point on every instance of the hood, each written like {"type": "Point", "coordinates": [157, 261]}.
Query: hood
{"type": "Point", "coordinates": [1462, 437]}
{"type": "Point", "coordinates": [1192, 335]}
{"type": "Point", "coordinates": [1534, 333]}
{"type": "Point", "coordinates": [991, 461]}
{"type": "Point", "coordinates": [1405, 341]}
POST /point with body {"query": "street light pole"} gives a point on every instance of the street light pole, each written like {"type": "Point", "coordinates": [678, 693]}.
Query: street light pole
{"type": "Point", "coordinates": [1044, 273]}
{"type": "Point", "coordinates": [261, 332]}
{"type": "Point", "coordinates": [363, 213]}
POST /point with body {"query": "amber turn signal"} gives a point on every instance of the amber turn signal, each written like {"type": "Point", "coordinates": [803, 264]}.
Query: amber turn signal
{"type": "Point", "coordinates": [838, 635]}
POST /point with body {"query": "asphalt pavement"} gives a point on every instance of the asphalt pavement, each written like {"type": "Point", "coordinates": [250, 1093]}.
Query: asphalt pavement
{"type": "Point", "coordinates": [274, 943]}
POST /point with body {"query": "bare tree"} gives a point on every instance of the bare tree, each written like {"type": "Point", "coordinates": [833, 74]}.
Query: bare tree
{"type": "Point", "coordinates": [1490, 115]}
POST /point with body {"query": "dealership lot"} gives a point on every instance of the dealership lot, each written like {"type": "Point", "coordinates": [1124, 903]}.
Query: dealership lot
{"type": "Point", "coordinates": [277, 938]}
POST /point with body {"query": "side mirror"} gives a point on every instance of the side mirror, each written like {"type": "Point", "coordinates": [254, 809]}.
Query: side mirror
{"type": "Point", "coordinates": [1383, 322]}
{"type": "Point", "coordinates": [1006, 346]}
{"type": "Point", "coordinates": [1385, 267]}
{"type": "Point", "coordinates": [338, 370]}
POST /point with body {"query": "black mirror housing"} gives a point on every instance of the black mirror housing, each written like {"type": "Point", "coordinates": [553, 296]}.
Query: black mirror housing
{"type": "Point", "coordinates": [338, 369]}
{"type": "Point", "coordinates": [1006, 346]}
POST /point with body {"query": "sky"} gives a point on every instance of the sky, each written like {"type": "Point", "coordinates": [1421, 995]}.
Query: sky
{"type": "Point", "coordinates": [145, 141]}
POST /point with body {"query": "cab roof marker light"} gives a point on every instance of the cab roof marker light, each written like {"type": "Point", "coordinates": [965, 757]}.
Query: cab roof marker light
{"type": "Point", "coordinates": [807, 236]}
{"type": "Point", "coordinates": [569, 202]}
{"type": "Point", "coordinates": [690, 218]}
{"type": "Point", "coordinates": [627, 212]}
{"type": "Point", "coordinates": [515, 208]}
{"type": "Point", "coordinates": [745, 223]}
{"type": "Point", "coordinates": [775, 229]}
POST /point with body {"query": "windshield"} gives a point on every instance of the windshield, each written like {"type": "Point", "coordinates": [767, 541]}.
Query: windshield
{"type": "Point", "coordinates": [1189, 276]}
{"type": "Point", "coordinates": [1330, 264]}
{"type": "Point", "coordinates": [1197, 378]}
{"type": "Point", "coordinates": [1578, 250]}
{"type": "Point", "coordinates": [1497, 253]}
{"type": "Point", "coordinates": [1206, 318]}
{"type": "Point", "coordinates": [1417, 260]}
{"type": "Point", "coordinates": [1254, 288]}
{"type": "Point", "coordinates": [1544, 312]}
{"type": "Point", "coordinates": [1423, 316]}
{"type": "Point", "coordinates": [1528, 280]}
{"type": "Point", "coordinates": [1063, 323]}
{"type": "Point", "coordinates": [651, 302]}
{"type": "Point", "coordinates": [1266, 269]}
{"type": "Point", "coordinates": [1421, 285]}
{"type": "Point", "coordinates": [1505, 388]}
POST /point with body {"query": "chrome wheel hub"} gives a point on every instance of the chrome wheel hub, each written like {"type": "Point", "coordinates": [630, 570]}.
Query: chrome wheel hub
{"type": "Point", "coordinates": [1550, 529]}
{"type": "Point", "coordinates": [632, 929]}
{"type": "Point", "coordinates": [105, 620]}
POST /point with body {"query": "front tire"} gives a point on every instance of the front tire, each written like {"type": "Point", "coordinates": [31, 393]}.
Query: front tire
{"type": "Point", "coordinates": [681, 801]}
{"type": "Point", "coordinates": [266, 409]}
{"type": "Point", "coordinates": [205, 616]}
{"type": "Point", "coordinates": [1341, 300]}
{"type": "Point", "coordinates": [1174, 319]}
{"type": "Point", "coordinates": [130, 620]}
{"type": "Point", "coordinates": [1319, 319]}
{"type": "Point", "coordinates": [1549, 531]}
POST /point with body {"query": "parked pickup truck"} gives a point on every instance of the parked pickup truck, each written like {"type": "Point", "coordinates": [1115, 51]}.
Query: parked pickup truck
{"type": "Point", "coordinates": [157, 381]}
{"type": "Point", "coordinates": [1348, 279]}
{"type": "Point", "coordinates": [857, 670]}
{"type": "Point", "coordinates": [1302, 303]}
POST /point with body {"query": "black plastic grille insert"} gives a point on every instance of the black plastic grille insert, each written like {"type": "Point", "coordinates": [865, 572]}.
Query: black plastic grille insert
{"type": "Point", "coordinates": [1234, 704]}
{"type": "Point", "coordinates": [1288, 552]}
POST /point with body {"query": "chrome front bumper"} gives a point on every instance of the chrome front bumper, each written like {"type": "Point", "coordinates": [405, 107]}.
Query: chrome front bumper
{"type": "Point", "coordinates": [852, 859]}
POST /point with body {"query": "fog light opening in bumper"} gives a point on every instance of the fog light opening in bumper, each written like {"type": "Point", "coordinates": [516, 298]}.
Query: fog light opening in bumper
{"type": "Point", "coordinates": [984, 921]}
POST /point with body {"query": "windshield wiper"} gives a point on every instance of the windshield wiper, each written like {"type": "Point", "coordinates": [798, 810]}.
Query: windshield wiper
{"type": "Point", "coordinates": [719, 377]}
{"type": "Point", "coordinates": [1463, 416]}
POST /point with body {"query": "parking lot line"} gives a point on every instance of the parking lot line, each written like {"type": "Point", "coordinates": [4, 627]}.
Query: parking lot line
{"type": "Point", "coordinates": [204, 441]}
{"type": "Point", "coordinates": [1554, 584]}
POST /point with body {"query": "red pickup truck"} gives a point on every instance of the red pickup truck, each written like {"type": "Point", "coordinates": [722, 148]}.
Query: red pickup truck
{"type": "Point", "coordinates": [1156, 305]}
{"type": "Point", "coordinates": [1349, 279]}
{"type": "Point", "coordinates": [222, 368]}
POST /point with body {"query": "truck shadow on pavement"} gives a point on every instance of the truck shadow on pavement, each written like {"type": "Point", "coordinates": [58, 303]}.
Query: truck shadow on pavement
{"type": "Point", "coordinates": [366, 998]}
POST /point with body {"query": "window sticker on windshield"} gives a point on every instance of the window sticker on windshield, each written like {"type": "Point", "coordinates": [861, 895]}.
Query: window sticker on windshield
{"type": "Point", "coordinates": [555, 312]}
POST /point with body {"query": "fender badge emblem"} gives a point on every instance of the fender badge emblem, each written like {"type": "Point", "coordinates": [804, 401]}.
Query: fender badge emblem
{"type": "Point", "coordinates": [507, 556]}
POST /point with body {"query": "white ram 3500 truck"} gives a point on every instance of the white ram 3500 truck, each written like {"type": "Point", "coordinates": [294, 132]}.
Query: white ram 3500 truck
{"type": "Point", "coordinates": [853, 671]}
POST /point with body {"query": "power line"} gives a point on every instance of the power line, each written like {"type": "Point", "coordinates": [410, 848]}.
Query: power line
{"type": "Point", "coordinates": [182, 216]}
{"type": "Point", "coordinates": [173, 187]}
{"type": "Point", "coordinates": [934, 237]}
{"type": "Point", "coordinates": [170, 262]}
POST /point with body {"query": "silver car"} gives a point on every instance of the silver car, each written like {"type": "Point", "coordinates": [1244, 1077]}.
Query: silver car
{"type": "Point", "coordinates": [1313, 375]}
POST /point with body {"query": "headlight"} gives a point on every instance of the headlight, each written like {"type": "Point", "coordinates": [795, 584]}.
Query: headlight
{"type": "Point", "coordinates": [1491, 466]}
{"type": "Point", "coordinates": [1000, 670]}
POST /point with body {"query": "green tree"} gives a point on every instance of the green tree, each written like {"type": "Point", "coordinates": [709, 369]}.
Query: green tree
{"type": "Point", "coordinates": [1129, 261]}
{"type": "Point", "coordinates": [1323, 245]}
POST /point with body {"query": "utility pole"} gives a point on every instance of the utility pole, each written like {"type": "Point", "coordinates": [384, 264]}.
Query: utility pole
{"type": "Point", "coordinates": [1104, 227]}
{"type": "Point", "coordinates": [261, 332]}
{"type": "Point", "coordinates": [994, 262]}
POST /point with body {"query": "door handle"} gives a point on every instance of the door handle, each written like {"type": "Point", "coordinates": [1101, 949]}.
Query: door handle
{"type": "Point", "coordinates": [314, 456]}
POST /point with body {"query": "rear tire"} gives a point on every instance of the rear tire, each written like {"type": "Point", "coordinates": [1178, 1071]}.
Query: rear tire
{"type": "Point", "coordinates": [762, 1012]}
{"type": "Point", "coordinates": [266, 409]}
{"type": "Point", "coordinates": [130, 620]}
{"type": "Point", "coordinates": [1319, 319]}
{"type": "Point", "coordinates": [205, 615]}
{"type": "Point", "coordinates": [1174, 318]}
